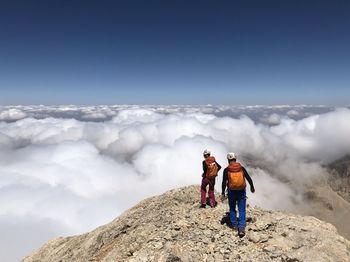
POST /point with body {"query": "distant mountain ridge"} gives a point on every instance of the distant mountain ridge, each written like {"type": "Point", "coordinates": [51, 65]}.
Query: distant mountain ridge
{"type": "Point", "coordinates": [172, 227]}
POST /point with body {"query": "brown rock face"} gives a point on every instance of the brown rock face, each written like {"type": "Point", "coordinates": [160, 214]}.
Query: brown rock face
{"type": "Point", "coordinates": [172, 227]}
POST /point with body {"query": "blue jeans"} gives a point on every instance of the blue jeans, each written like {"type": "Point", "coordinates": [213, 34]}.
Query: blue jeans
{"type": "Point", "coordinates": [237, 197]}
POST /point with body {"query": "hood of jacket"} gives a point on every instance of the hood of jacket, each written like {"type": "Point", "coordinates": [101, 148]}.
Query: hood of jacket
{"type": "Point", "coordinates": [234, 167]}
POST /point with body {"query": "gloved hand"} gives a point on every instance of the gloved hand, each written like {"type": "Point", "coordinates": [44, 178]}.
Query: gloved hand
{"type": "Point", "coordinates": [223, 197]}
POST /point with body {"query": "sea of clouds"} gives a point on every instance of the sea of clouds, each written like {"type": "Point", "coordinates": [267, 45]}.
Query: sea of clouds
{"type": "Point", "coordinates": [68, 169]}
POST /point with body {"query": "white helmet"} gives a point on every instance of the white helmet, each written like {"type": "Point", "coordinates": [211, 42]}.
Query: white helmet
{"type": "Point", "coordinates": [231, 156]}
{"type": "Point", "coordinates": [206, 152]}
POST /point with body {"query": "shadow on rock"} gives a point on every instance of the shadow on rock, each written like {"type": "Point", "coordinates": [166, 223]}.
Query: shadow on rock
{"type": "Point", "coordinates": [226, 220]}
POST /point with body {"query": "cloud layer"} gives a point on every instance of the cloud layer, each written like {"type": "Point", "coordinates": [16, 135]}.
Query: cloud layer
{"type": "Point", "coordinates": [257, 113]}
{"type": "Point", "coordinates": [66, 175]}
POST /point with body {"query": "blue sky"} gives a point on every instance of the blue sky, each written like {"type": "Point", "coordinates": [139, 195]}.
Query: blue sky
{"type": "Point", "coordinates": [175, 52]}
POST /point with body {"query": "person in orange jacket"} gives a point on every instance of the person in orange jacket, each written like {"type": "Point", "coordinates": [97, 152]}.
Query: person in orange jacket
{"type": "Point", "coordinates": [234, 179]}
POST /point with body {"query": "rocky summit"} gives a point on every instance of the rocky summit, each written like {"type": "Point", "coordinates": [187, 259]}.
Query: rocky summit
{"type": "Point", "coordinates": [172, 227]}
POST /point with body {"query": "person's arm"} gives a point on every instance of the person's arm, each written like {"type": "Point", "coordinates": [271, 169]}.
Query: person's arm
{"type": "Point", "coordinates": [224, 182]}
{"type": "Point", "coordinates": [219, 167]}
{"type": "Point", "coordinates": [250, 181]}
{"type": "Point", "coordinates": [204, 168]}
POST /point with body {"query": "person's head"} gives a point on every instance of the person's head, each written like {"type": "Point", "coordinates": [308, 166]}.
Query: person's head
{"type": "Point", "coordinates": [206, 153]}
{"type": "Point", "coordinates": [231, 157]}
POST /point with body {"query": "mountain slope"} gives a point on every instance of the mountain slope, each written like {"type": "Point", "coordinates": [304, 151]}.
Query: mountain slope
{"type": "Point", "coordinates": [339, 177]}
{"type": "Point", "coordinates": [171, 227]}
{"type": "Point", "coordinates": [326, 204]}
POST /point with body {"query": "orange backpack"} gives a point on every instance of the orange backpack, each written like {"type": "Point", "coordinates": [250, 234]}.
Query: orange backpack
{"type": "Point", "coordinates": [235, 176]}
{"type": "Point", "coordinates": [212, 167]}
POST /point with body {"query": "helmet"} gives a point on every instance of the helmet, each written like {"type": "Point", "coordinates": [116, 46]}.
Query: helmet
{"type": "Point", "coordinates": [206, 152]}
{"type": "Point", "coordinates": [231, 156]}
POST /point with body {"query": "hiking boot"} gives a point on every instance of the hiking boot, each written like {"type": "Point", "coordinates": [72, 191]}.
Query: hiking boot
{"type": "Point", "coordinates": [235, 228]}
{"type": "Point", "coordinates": [203, 206]}
{"type": "Point", "coordinates": [241, 232]}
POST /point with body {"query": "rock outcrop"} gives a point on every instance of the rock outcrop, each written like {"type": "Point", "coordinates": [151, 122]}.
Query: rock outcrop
{"type": "Point", "coordinates": [172, 227]}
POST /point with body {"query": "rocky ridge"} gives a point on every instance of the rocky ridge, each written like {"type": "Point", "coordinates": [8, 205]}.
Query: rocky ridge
{"type": "Point", "coordinates": [172, 227]}
{"type": "Point", "coordinates": [339, 177]}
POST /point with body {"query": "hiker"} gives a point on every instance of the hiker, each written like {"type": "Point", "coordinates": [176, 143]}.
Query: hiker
{"type": "Point", "coordinates": [210, 171]}
{"type": "Point", "coordinates": [234, 179]}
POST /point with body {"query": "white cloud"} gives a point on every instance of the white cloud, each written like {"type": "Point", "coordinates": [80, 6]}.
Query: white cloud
{"type": "Point", "coordinates": [12, 114]}
{"type": "Point", "coordinates": [273, 119]}
{"type": "Point", "coordinates": [67, 176]}
{"type": "Point", "coordinates": [292, 113]}
{"type": "Point", "coordinates": [271, 191]}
